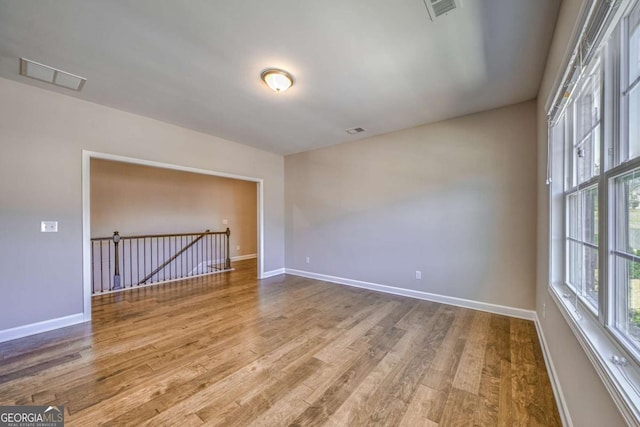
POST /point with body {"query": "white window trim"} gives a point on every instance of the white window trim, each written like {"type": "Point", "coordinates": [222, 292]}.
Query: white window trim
{"type": "Point", "coordinates": [600, 349]}
{"type": "Point", "coordinates": [602, 344]}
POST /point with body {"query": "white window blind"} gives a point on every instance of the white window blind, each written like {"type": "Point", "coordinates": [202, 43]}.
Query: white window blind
{"type": "Point", "coordinates": [594, 194]}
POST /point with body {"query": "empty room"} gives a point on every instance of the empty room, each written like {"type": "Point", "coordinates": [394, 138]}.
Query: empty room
{"type": "Point", "coordinates": [339, 213]}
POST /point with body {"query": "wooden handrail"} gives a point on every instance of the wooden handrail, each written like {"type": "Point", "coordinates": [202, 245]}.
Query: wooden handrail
{"type": "Point", "coordinates": [148, 236]}
{"type": "Point", "coordinates": [167, 262]}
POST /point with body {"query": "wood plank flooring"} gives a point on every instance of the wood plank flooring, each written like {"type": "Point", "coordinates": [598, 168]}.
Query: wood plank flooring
{"type": "Point", "coordinates": [230, 350]}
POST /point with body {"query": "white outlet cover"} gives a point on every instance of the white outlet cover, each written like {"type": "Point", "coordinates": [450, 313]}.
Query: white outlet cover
{"type": "Point", "coordinates": [225, 221]}
{"type": "Point", "coordinates": [49, 226]}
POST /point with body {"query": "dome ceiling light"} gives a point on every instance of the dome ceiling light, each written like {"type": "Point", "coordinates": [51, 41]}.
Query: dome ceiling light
{"type": "Point", "coordinates": [276, 79]}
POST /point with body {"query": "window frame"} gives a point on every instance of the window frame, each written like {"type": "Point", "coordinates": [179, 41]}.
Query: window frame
{"type": "Point", "coordinates": [632, 351]}
{"type": "Point", "coordinates": [621, 88]}
{"type": "Point", "coordinates": [573, 186]}
{"type": "Point", "coordinates": [583, 243]}
{"type": "Point", "coordinates": [614, 356]}
{"type": "Point", "coordinates": [613, 82]}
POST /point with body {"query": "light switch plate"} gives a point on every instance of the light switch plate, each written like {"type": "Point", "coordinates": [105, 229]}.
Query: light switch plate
{"type": "Point", "coordinates": [49, 226]}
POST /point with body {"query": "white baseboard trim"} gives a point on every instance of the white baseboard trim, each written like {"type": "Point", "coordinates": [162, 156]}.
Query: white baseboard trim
{"type": "Point", "coordinates": [272, 273]}
{"type": "Point", "coordinates": [563, 409]}
{"type": "Point", "coordinates": [243, 257]}
{"type": "Point", "coordinates": [44, 326]}
{"type": "Point", "coordinates": [459, 302]}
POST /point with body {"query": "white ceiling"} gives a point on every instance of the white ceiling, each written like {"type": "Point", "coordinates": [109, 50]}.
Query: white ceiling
{"type": "Point", "coordinates": [378, 64]}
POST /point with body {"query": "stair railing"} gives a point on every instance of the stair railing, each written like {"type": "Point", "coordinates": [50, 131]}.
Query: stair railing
{"type": "Point", "coordinates": [125, 262]}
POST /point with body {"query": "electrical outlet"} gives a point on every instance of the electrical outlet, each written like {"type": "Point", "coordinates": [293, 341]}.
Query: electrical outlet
{"type": "Point", "coordinates": [308, 260]}
{"type": "Point", "coordinates": [225, 222]}
{"type": "Point", "coordinates": [418, 275]}
{"type": "Point", "coordinates": [238, 248]}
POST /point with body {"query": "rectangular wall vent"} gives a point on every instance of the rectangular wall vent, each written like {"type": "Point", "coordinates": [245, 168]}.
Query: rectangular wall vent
{"type": "Point", "coordinates": [354, 131]}
{"type": "Point", "coordinates": [438, 8]}
{"type": "Point", "coordinates": [44, 73]}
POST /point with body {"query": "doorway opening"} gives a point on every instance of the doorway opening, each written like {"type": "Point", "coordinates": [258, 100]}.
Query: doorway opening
{"type": "Point", "coordinates": [147, 222]}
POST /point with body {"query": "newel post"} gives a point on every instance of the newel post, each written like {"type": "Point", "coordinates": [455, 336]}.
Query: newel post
{"type": "Point", "coordinates": [116, 273]}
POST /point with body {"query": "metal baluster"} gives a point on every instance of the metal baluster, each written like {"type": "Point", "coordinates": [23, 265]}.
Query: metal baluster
{"type": "Point", "coordinates": [130, 264]}
{"type": "Point", "coordinates": [93, 268]}
{"type": "Point", "coordinates": [123, 269]}
{"type": "Point", "coordinates": [144, 251]}
{"type": "Point", "coordinates": [157, 255]}
{"type": "Point", "coordinates": [101, 260]}
{"type": "Point", "coordinates": [137, 260]}
{"type": "Point", "coordinates": [109, 271]}
{"type": "Point", "coordinates": [170, 267]}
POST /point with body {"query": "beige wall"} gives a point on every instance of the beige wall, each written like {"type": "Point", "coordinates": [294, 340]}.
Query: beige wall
{"type": "Point", "coordinates": [42, 135]}
{"type": "Point", "coordinates": [588, 401]}
{"type": "Point", "coordinates": [135, 199]}
{"type": "Point", "coordinates": [455, 200]}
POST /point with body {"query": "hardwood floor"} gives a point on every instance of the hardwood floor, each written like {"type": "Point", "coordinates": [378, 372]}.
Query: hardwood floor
{"type": "Point", "coordinates": [231, 350]}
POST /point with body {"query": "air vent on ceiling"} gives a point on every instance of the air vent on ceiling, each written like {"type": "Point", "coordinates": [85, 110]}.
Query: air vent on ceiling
{"type": "Point", "coordinates": [438, 8]}
{"type": "Point", "coordinates": [51, 75]}
{"type": "Point", "coordinates": [354, 131]}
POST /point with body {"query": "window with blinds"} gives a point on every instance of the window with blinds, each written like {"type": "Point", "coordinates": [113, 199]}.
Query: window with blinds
{"type": "Point", "coordinates": [582, 124]}
{"type": "Point", "coordinates": [594, 186]}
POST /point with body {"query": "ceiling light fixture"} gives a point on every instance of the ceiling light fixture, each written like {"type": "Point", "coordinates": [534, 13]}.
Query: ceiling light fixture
{"type": "Point", "coordinates": [278, 80]}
